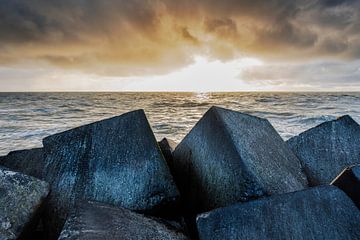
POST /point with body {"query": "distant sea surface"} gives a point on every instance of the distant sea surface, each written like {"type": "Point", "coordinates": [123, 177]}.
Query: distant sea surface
{"type": "Point", "coordinates": [26, 118]}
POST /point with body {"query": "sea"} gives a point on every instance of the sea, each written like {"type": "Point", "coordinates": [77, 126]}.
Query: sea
{"type": "Point", "coordinates": [26, 118]}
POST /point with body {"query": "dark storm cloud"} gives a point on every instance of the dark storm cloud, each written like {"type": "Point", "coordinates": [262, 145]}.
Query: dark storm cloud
{"type": "Point", "coordinates": [132, 37]}
{"type": "Point", "coordinates": [334, 3]}
{"type": "Point", "coordinates": [222, 26]}
{"type": "Point", "coordinates": [329, 74]}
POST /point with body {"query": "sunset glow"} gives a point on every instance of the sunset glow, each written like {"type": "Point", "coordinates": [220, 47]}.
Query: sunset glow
{"type": "Point", "coordinates": [201, 76]}
{"type": "Point", "coordinates": [167, 45]}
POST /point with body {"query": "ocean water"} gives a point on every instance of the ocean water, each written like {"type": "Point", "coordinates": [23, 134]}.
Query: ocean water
{"type": "Point", "coordinates": [26, 118]}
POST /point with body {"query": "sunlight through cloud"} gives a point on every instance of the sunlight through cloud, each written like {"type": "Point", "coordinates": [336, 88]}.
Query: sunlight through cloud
{"type": "Point", "coordinates": [203, 75]}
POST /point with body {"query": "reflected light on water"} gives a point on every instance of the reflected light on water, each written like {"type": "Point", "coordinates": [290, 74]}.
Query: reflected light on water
{"type": "Point", "coordinates": [202, 96]}
{"type": "Point", "coordinates": [26, 118]}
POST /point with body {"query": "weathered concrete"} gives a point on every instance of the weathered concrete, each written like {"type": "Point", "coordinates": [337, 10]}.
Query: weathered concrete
{"type": "Point", "coordinates": [21, 199]}
{"type": "Point", "coordinates": [349, 182]}
{"type": "Point", "coordinates": [115, 161]}
{"type": "Point", "coordinates": [167, 147]}
{"type": "Point", "coordinates": [29, 161]}
{"type": "Point", "coordinates": [318, 213]}
{"type": "Point", "coordinates": [98, 221]}
{"type": "Point", "coordinates": [325, 150]}
{"type": "Point", "coordinates": [229, 157]}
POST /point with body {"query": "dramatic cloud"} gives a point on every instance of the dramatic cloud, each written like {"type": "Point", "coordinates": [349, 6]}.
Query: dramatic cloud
{"type": "Point", "coordinates": [123, 35]}
{"type": "Point", "coordinates": [151, 37]}
{"type": "Point", "coordinates": [309, 76]}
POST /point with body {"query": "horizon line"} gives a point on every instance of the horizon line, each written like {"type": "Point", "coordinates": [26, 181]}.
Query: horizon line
{"type": "Point", "coordinates": [249, 91]}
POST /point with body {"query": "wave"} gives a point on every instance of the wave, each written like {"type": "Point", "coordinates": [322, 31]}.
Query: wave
{"type": "Point", "coordinates": [26, 118]}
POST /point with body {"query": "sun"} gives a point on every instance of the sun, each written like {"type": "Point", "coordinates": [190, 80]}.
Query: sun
{"type": "Point", "coordinates": [204, 75]}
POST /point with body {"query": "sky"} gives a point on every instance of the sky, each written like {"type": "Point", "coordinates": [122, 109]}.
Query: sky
{"type": "Point", "coordinates": [172, 45]}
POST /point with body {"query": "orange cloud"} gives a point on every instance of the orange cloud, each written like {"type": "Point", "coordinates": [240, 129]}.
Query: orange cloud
{"type": "Point", "coordinates": [143, 37]}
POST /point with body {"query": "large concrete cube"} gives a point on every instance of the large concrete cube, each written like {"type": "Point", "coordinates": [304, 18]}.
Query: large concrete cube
{"type": "Point", "coordinates": [115, 161]}
{"type": "Point", "coordinates": [97, 221]}
{"type": "Point", "coordinates": [327, 149]}
{"type": "Point", "coordinates": [229, 157]}
{"type": "Point", "coordinates": [167, 147]}
{"type": "Point", "coordinates": [318, 213]}
{"type": "Point", "coordinates": [21, 201]}
{"type": "Point", "coordinates": [349, 181]}
{"type": "Point", "coordinates": [29, 161]}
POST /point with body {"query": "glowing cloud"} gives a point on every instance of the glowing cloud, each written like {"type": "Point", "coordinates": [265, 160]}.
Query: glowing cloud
{"type": "Point", "coordinates": [133, 39]}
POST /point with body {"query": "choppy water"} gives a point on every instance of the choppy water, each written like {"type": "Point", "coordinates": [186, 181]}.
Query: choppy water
{"type": "Point", "coordinates": [25, 118]}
